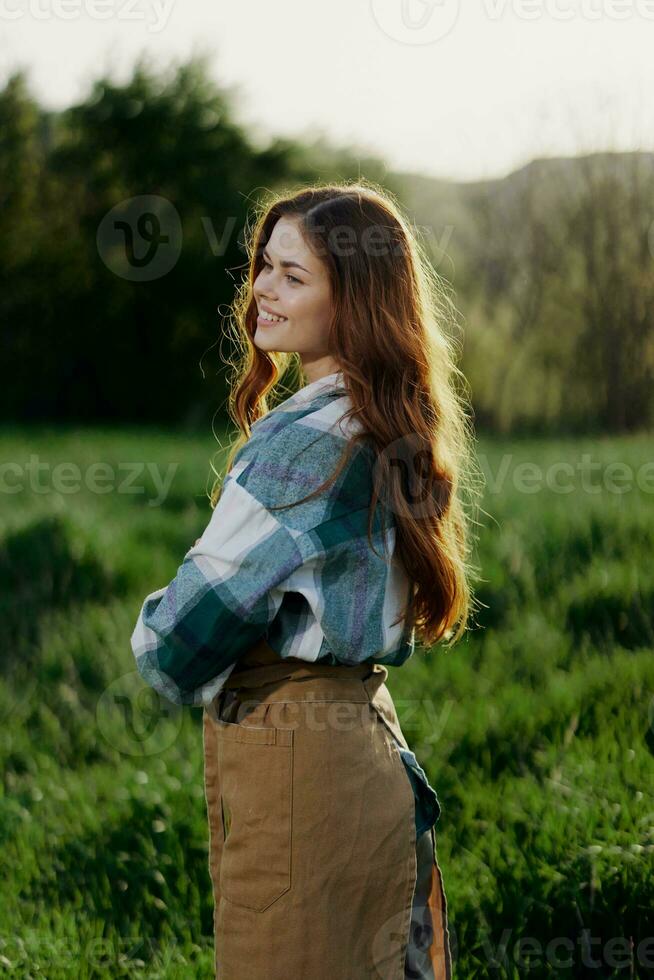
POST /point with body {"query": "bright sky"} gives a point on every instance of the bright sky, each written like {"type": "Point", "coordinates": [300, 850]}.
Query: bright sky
{"type": "Point", "coordinates": [431, 87]}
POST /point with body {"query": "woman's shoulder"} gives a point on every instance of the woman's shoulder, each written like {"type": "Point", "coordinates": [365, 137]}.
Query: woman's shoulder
{"type": "Point", "coordinates": [292, 455]}
{"type": "Point", "coordinates": [319, 430]}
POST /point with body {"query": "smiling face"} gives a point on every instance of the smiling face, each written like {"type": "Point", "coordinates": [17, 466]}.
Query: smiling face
{"type": "Point", "coordinates": [294, 284]}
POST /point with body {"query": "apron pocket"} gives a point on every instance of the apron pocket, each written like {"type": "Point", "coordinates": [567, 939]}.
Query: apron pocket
{"type": "Point", "coordinates": [256, 786]}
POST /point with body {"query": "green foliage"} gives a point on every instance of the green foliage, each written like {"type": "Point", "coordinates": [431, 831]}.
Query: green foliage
{"type": "Point", "coordinates": [551, 267]}
{"type": "Point", "coordinates": [536, 729]}
{"type": "Point", "coordinates": [81, 339]}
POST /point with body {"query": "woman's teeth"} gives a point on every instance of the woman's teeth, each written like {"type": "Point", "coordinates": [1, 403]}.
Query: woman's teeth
{"type": "Point", "coordinates": [271, 318]}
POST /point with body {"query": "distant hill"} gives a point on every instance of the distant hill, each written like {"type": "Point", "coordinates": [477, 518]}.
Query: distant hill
{"type": "Point", "coordinates": [439, 204]}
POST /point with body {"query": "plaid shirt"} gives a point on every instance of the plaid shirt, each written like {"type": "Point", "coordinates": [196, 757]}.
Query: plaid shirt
{"type": "Point", "coordinates": [304, 577]}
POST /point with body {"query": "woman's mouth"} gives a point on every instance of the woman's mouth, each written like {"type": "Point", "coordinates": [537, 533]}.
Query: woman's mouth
{"type": "Point", "coordinates": [266, 320]}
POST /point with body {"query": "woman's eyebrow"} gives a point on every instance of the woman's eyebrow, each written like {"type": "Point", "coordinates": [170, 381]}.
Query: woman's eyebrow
{"type": "Point", "coordinates": [286, 264]}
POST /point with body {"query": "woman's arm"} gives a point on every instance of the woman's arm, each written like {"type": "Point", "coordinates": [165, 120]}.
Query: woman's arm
{"type": "Point", "coordinates": [228, 589]}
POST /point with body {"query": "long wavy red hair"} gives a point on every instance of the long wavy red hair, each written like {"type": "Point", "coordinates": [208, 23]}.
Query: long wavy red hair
{"type": "Point", "coordinates": [391, 336]}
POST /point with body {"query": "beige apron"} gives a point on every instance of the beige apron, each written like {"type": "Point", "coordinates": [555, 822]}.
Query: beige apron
{"type": "Point", "coordinates": [314, 863]}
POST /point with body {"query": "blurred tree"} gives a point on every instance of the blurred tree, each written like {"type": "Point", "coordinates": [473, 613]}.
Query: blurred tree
{"type": "Point", "coordinates": [611, 235]}
{"type": "Point", "coordinates": [557, 282]}
{"type": "Point", "coordinates": [138, 340]}
{"type": "Point", "coordinates": [122, 242]}
{"type": "Point", "coordinates": [22, 186]}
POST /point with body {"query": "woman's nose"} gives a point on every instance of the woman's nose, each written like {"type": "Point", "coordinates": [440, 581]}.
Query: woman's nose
{"type": "Point", "coordinates": [266, 291]}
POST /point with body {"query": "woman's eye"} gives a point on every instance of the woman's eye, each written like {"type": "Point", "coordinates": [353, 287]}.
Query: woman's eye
{"type": "Point", "coordinates": [288, 275]}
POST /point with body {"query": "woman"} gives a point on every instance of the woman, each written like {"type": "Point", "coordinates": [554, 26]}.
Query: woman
{"type": "Point", "coordinates": [287, 611]}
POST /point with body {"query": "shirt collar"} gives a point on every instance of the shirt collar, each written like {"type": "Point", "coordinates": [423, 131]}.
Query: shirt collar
{"type": "Point", "coordinates": [328, 382]}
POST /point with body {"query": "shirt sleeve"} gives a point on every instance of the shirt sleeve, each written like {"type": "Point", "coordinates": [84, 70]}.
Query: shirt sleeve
{"type": "Point", "coordinates": [190, 634]}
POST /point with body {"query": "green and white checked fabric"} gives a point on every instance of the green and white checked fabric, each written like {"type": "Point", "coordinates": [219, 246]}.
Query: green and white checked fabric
{"type": "Point", "coordinates": [304, 577]}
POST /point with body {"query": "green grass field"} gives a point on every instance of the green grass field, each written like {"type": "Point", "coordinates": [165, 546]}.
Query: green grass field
{"type": "Point", "coordinates": [537, 730]}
